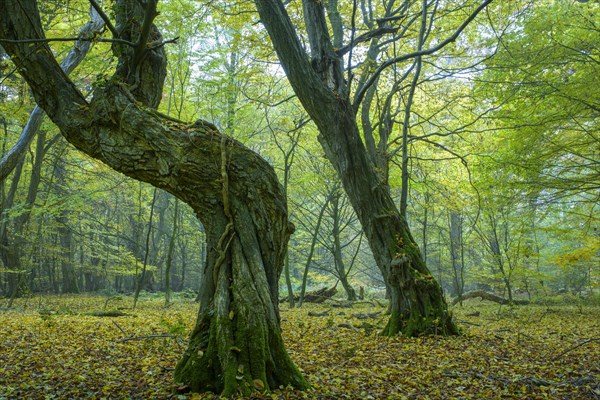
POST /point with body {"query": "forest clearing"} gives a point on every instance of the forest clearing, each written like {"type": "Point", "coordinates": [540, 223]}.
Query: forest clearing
{"type": "Point", "coordinates": [52, 348]}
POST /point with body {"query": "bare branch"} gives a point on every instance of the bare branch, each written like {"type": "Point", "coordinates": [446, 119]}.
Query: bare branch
{"type": "Point", "coordinates": [361, 94]}
{"type": "Point", "coordinates": [161, 44]}
{"type": "Point", "coordinates": [157, 336]}
{"type": "Point", "coordinates": [575, 347]}
{"type": "Point", "coordinates": [73, 59]}
{"type": "Point", "coordinates": [105, 18]}
{"type": "Point", "coordinates": [366, 37]}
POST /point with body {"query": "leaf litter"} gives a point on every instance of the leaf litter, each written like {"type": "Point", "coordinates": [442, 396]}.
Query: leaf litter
{"type": "Point", "coordinates": [57, 349]}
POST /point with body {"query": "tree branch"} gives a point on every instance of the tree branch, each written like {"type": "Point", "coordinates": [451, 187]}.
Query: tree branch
{"type": "Point", "coordinates": [366, 37]}
{"type": "Point", "coordinates": [140, 47]}
{"type": "Point", "coordinates": [105, 18]}
{"type": "Point", "coordinates": [73, 59]}
{"type": "Point", "coordinates": [161, 44]}
{"type": "Point", "coordinates": [69, 39]}
{"type": "Point", "coordinates": [361, 94]}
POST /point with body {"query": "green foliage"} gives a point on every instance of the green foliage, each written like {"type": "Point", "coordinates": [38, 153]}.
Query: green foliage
{"type": "Point", "coordinates": [510, 143]}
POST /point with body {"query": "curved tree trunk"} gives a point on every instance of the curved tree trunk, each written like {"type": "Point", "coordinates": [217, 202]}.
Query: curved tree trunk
{"type": "Point", "coordinates": [236, 345]}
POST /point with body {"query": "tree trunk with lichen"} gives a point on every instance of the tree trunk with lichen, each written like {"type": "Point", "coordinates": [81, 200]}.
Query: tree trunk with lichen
{"type": "Point", "coordinates": [236, 346]}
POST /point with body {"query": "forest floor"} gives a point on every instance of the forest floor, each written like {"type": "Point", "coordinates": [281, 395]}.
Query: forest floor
{"type": "Point", "coordinates": [53, 348]}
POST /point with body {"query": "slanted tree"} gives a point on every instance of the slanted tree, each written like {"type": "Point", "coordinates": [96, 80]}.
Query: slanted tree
{"type": "Point", "coordinates": [417, 303]}
{"type": "Point", "coordinates": [236, 345]}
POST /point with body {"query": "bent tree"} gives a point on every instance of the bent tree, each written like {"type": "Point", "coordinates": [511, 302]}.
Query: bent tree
{"type": "Point", "coordinates": [236, 345]}
{"type": "Point", "coordinates": [417, 303]}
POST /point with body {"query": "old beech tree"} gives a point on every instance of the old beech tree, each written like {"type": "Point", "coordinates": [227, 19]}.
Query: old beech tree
{"type": "Point", "coordinates": [236, 345]}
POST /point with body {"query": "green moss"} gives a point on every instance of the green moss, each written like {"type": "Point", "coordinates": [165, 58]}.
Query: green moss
{"type": "Point", "coordinates": [237, 357]}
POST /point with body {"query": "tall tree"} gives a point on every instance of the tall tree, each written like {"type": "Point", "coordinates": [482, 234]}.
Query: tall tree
{"type": "Point", "coordinates": [339, 221]}
{"type": "Point", "coordinates": [417, 302]}
{"type": "Point", "coordinates": [236, 345]}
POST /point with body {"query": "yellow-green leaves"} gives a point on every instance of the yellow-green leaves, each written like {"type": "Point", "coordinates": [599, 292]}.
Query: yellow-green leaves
{"type": "Point", "coordinates": [532, 352]}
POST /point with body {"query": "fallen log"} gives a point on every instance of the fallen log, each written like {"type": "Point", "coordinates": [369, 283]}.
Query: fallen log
{"type": "Point", "coordinates": [366, 315]}
{"type": "Point", "coordinates": [487, 296]}
{"type": "Point", "coordinates": [317, 296]}
{"type": "Point", "coordinates": [112, 313]}
{"type": "Point", "coordinates": [319, 314]}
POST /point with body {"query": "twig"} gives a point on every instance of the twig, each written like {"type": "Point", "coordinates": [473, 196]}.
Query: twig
{"type": "Point", "coordinates": [109, 299]}
{"type": "Point", "coordinates": [575, 347]}
{"type": "Point", "coordinates": [524, 335]}
{"type": "Point", "coordinates": [158, 336]}
{"type": "Point", "coordinates": [349, 326]}
{"type": "Point", "coordinates": [121, 329]}
{"type": "Point", "coordinates": [164, 42]}
{"type": "Point", "coordinates": [365, 37]}
{"type": "Point", "coordinates": [462, 321]}
{"type": "Point", "coordinates": [321, 314]}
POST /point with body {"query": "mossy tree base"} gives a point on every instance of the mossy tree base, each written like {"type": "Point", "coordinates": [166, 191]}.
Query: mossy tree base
{"type": "Point", "coordinates": [234, 357]}
{"type": "Point", "coordinates": [417, 303]}
{"type": "Point", "coordinates": [236, 346]}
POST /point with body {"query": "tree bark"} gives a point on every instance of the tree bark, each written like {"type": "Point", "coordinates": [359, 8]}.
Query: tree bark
{"type": "Point", "coordinates": [456, 244]}
{"type": "Point", "coordinates": [417, 303]}
{"type": "Point", "coordinates": [236, 345]}
{"type": "Point", "coordinates": [338, 259]}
